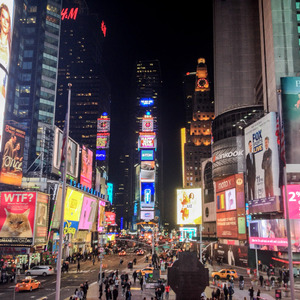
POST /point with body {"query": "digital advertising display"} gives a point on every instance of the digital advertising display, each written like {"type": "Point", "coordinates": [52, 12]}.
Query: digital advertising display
{"type": "Point", "coordinates": [147, 124]}
{"type": "Point", "coordinates": [189, 206]}
{"type": "Point", "coordinates": [101, 155]}
{"type": "Point", "coordinates": [88, 213]}
{"type": "Point", "coordinates": [187, 233]}
{"type": "Point", "coordinates": [293, 192]}
{"type": "Point", "coordinates": [102, 141]}
{"type": "Point", "coordinates": [147, 155]}
{"type": "Point", "coordinates": [271, 235]}
{"type": "Point", "coordinates": [86, 167]}
{"type": "Point", "coordinates": [147, 215]}
{"type": "Point", "coordinates": [12, 155]}
{"type": "Point", "coordinates": [227, 226]}
{"type": "Point", "coordinates": [110, 218]}
{"type": "Point", "coordinates": [41, 219]}
{"type": "Point", "coordinates": [7, 16]}
{"type": "Point", "coordinates": [147, 141]}
{"type": "Point", "coordinates": [147, 194]}
{"type": "Point", "coordinates": [72, 155]}
{"type": "Point", "coordinates": [101, 216]}
{"type": "Point", "coordinates": [17, 215]}
{"type": "Point", "coordinates": [262, 162]}
{"type": "Point", "coordinates": [73, 205]}
{"type": "Point", "coordinates": [147, 171]}
{"type": "Point", "coordinates": [110, 192]}
{"type": "Point", "coordinates": [290, 98]}
{"type": "Point", "coordinates": [103, 124]}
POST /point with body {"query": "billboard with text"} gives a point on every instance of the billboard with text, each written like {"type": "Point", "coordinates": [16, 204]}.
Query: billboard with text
{"type": "Point", "coordinates": [88, 213]}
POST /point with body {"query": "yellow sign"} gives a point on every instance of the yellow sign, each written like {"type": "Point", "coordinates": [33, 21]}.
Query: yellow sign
{"type": "Point", "coordinates": [68, 228]}
{"type": "Point", "coordinates": [73, 205]}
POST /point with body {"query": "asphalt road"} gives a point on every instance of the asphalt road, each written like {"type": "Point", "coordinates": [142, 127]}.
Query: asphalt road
{"type": "Point", "coordinates": [70, 281]}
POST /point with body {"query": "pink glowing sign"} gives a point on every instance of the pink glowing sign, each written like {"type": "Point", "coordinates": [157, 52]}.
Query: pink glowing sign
{"type": "Point", "coordinates": [67, 13]}
{"type": "Point", "coordinates": [88, 212]}
{"type": "Point", "coordinates": [101, 212]}
{"type": "Point", "coordinates": [293, 192]}
{"type": "Point", "coordinates": [103, 28]}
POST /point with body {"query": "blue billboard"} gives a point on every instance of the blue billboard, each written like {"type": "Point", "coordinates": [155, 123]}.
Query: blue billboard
{"type": "Point", "coordinates": [147, 194]}
{"type": "Point", "coordinates": [110, 192]}
{"type": "Point", "coordinates": [147, 155]}
{"type": "Point", "coordinates": [100, 154]}
{"type": "Point", "coordinates": [146, 102]}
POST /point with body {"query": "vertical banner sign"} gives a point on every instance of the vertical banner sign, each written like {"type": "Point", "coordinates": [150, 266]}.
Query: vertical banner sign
{"type": "Point", "coordinates": [17, 214]}
{"type": "Point", "coordinates": [86, 167]}
{"type": "Point", "coordinates": [6, 34]}
{"type": "Point", "coordinates": [12, 156]}
{"type": "Point", "coordinates": [101, 215]}
{"type": "Point", "coordinates": [41, 219]}
{"type": "Point", "coordinates": [291, 120]}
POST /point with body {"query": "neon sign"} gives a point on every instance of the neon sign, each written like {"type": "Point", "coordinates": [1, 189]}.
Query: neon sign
{"type": "Point", "coordinates": [69, 14]}
{"type": "Point", "coordinates": [103, 28]}
{"type": "Point", "coordinates": [146, 102]}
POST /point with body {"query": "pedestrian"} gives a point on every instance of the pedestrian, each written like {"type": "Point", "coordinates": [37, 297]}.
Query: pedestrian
{"type": "Point", "coordinates": [108, 294]}
{"type": "Point", "coordinates": [162, 288]}
{"type": "Point", "coordinates": [251, 293]}
{"type": "Point", "coordinates": [141, 282]}
{"type": "Point", "coordinates": [167, 289]}
{"type": "Point", "coordinates": [128, 294]}
{"type": "Point", "coordinates": [117, 282]}
{"type": "Point", "coordinates": [78, 266]}
{"type": "Point", "coordinates": [100, 291]}
{"type": "Point", "coordinates": [115, 293]}
{"type": "Point", "coordinates": [134, 275]}
{"type": "Point", "coordinates": [230, 292]}
{"type": "Point", "coordinates": [225, 290]}
{"type": "Point", "coordinates": [218, 293]}
{"type": "Point", "coordinates": [261, 280]}
{"type": "Point", "coordinates": [258, 294]}
{"type": "Point", "coordinates": [86, 287]}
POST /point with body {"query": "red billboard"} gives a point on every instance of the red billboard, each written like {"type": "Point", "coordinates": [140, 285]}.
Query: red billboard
{"type": "Point", "coordinates": [227, 226]}
{"type": "Point", "coordinates": [110, 218]}
{"type": "Point", "coordinates": [17, 215]}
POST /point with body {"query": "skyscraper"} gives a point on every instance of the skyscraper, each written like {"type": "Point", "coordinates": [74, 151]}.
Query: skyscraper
{"type": "Point", "coordinates": [33, 78]}
{"type": "Point", "coordinates": [80, 63]}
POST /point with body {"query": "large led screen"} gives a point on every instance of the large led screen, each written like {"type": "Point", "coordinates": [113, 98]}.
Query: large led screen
{"type": "Point", "coordinates": [86, 167]}
{"type": "Point", "coordinates": [17, 214]}
{"type": "Point", "coordinates": [147, 171]}
{"type": "Point", "coordinates": [12, 156]}
{"type": "Point", "coordinates": [102, 141]}
{"type": "Point", "coordinates": [293, 193]}
{"type": "Point", "coordinates": [41, 219]}
{"type": "Point", "coordinates": [88, 213]}
{"type": "Point", "coordinates": [6, 34]}
{"type": "Point", "coordinates": [189, 206]}
{"type": "Point", "coordinates": [147, 141]}
{"type": "Point", "coordinates": [147, 194]}
{"type": "Point", "coordinates": [147, 155]}
{"type": "Point", "coordinates": [101, 216]}
{"type": "Point", "coordinates": [271, 235]}
{"type": "Point", "coordinates": [103, 124]}
{"type": "Point", "coordinates": [73, 205]}
{"type": "Point", "coordinates": [72, 154]}
{"type": "Point", "coordinates": [262, 162]}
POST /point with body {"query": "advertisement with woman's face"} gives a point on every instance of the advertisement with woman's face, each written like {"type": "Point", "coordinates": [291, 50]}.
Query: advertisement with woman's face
{"type": "Point", "coordinates": [6, 29]}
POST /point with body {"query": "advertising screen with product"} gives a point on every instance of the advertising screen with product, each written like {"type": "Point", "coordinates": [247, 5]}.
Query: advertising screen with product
{"type": "Point", "coordinates": [262, 165]}
{"type": "Point", "coordinates": [73, 205]}
{"type": "Point", "coordinates": [6, 34]}
{"type": "Point", "coordinates": [72, 154]}
{"type": "Point", "coordinates": [147, 194]}
{"type": "Point", "coordinates": [148, 171]}
{"type": "Point", "coordinates": [41, 219]}
{"type": "Point", "coordinates": [88, 213]}
{"type": "Point", "coordinates": [293, 192]}
{"type": "Point", "coordinates": [86, 167]}
{"type": "Point", "coordinates": [290, 87]}
{"type": "Point", "coordinates": [271, 235]}
{"type": "Point", "coordinates": [17, 215]}
{"type": "Point", "coordinates": [101, 215]}
{"type": "Point", "coordinates": [11, 171]}
{"type": "Point", "coordinates": [189, 206]}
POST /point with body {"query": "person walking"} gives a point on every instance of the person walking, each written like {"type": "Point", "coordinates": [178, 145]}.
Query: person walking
{"type": "Point", "coordinates": [134, 275]}
{"type": "Point", "coordinates": [141, 282]}
{"type": "Point", "coordinates": [167, 289]}
{"type": "Point", "coordinates": [225, 290]}
{"type": "Point", "coordinates": [108, 294]}
{"type": "Point", "coordinates": [78, 266]}
{"type": "Point", "coordinates": [251, 293]}
{"type": "Point", "coordinates": [258, 294]}
{"type": "Point", "coordinates": [261, 280]}
{"type": "Point", "coordinates": [128, 294]}
{"type": "Point", "coordinates": [115, 293]}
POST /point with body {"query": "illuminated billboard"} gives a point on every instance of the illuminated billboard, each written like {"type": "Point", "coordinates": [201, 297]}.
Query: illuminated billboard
{"type": "Point", "coordinates": [100, 155]}
{"type": "Point", "coordinates": [147, 124]}
{"type": "Point", "coordinates": [110, 192]}
{"type": "Point", "coordinates": [7, 21]}
{"type": "Point", "coordinates": [147, 141]}
{"type": "Point", "coordinates": [146, 102]}
{"type": "Point", "coordinates": [110, 218]}
{"type": "Point", "coordinates": [271, 235]}
{"type": "Point", "coordinates": [293, 192]}
{"type": "Point", "coordinates": [17, 215]}
{"type": "Point", "coordinates": [147, 155]}
{"type": "Point", "coordinates": [12, 155]}
{"type": "Point", "coordinates": [147, 194]}
{"type": "Point", "coordinates": [189, 206]}
{"type": "Point", "coordinates": [88, 213]}
{"type": "Point", "coordinates": [262, 163]}
{"type": "Point", "coordinates": [72, 154]}
{"type": "Point", "coordinates": [73, 204]}
{"type": "Point", "coordinates": [86, 167]}
{"type": "Point", "coordinates": [187, 233]}
{"type": "Point", "coordinates": [147, 215]}
{"type": "Point", "coordinates": [102, 141]}
{"type": "Point", "coordinates": [147, 171]}
{"type": "Point", "coordinates": [103, 124]}
{"type": "Point", "coordinates": [41, 219]}
{"type": "Point", "coordinates": [101, 219]}
{"type": "Point", "coordinates": [290, 87]}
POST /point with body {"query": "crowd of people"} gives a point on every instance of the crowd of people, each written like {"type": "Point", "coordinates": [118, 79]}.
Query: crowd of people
{"type": "Point", "coordinates": [80, 294]}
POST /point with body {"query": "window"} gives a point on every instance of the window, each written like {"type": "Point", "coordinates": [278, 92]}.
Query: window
{"type": "Point", "coordinates": [28, 53]}
{"type": "Point", "coordinates": [27, 65]}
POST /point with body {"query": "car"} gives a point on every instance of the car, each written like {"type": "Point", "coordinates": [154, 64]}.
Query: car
{"type": "Point", "coordinates": [27, 284]}
{"type": "Point", "coordinates": [225, 274]}
{"type": "Point", "coordinates": [140, 252]}
{"type": "Point", "coordinates": [122, 253]}
{"type": "Point", "coordinates": [40, 270]}
{"type": "Point", "coordinates": [147, 270]}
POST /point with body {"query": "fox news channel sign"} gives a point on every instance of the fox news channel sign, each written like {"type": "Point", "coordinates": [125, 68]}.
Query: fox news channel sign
{"type": "Point", "coordinates": [228, 157]}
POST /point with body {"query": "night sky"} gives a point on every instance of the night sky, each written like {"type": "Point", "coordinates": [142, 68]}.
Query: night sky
{"type": "Point", "coordinates": [176, 35]}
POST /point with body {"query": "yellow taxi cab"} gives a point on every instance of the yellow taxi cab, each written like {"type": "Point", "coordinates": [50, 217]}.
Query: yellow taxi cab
{"type": "Point", "coordinates": [122, 253]}
{"type": "Point", "coordinates": [147, 270]}
{"type": "Point", "coordinates": [225, 274]}
{"type": "Point", "coordinates": [27, 284]}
